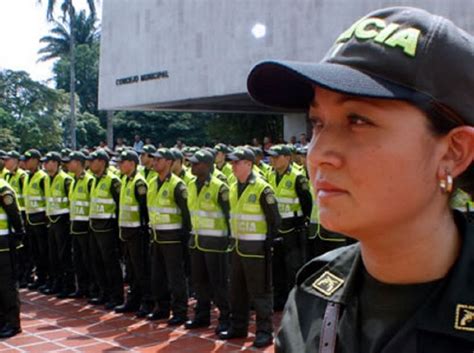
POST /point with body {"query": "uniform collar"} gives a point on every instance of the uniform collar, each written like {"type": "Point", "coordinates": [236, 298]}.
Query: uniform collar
{"type": "Point", "coordinates": [132, 175]}
{"type": "Point", "coordinates": [250, 180]}
{"type": "Point", "coordinates": [207, 181]}
{"type": "Point", "coordinates": [82, 175]}
{"type": "Point", "coordinates": [333, 277]}
{"type": "Point", "coordinates": [168, 177]}
{"type": "Point", "coordinates": [451, 309]}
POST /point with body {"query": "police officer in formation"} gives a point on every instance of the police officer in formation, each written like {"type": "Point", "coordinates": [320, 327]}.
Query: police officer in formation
{"type": "Point", "coordinates": [220, 218]}
{"type": "Point", "coordinates": [35, 209]}
{"type": "Point", "coordinates": [170, 225]}
{"type": "Point", "coordinates": [11, 234]}
{"type": "Point", "coordinates": [133, 231]}
{"type": "Point", "coordinates": [16, 177]}
{"type": "Point", "coordinates": [79, 200]}
{"type": "Point", "coordinates": [57, 187]}
{"type": "Point", "coordinates": [294, 204]}
{"type": "Point", "coordinates": [210, 212]}
{"type": "Point", "coordinates": [254, 223]}
{"type": "Point", "coordinates": [103, 221]}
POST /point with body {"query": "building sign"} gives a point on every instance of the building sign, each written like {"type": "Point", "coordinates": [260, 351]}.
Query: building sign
{"type": "Point", "coordinates": [145, 77]}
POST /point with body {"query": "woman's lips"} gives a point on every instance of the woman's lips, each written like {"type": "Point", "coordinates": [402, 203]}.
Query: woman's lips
{"type": "Point", "coordinates": [326, 189]}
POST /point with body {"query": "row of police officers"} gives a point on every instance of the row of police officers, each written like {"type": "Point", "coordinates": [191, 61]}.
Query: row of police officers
{"type": "Point", "coordinates": [217, 222]}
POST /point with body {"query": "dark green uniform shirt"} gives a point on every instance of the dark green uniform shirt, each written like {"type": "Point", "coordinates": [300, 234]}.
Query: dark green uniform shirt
{"type": "Point", "coordinates": [439, 317]}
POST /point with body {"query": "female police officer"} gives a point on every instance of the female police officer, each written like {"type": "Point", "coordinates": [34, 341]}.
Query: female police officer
{"type": "Point", "coordinates": [392, 112]}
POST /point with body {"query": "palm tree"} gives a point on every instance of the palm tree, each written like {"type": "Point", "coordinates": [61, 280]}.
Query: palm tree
{"type": "Point", "coordinates": [69, 14]}
{"type": "Point", "coordinates": [58, 42]}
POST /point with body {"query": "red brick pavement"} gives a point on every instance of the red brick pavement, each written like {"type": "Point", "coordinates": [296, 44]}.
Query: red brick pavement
{"type": "Point", "coordinates": [71, 325]}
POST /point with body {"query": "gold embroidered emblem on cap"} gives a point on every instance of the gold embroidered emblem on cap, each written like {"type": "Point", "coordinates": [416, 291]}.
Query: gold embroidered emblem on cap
{"type": "Point", "coordinates": [328, 283]}
{"type": "Point", "coordinates": [464, 319]}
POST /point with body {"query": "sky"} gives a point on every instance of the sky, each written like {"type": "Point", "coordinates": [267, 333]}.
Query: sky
{"type": "Point", "coordinates": [22, 24]}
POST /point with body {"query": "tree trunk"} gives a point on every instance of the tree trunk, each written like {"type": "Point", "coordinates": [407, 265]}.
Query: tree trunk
{"type": "Point", "coordinates": [72, 73]}
{"type": "Point", "coordinates": [110, 129]}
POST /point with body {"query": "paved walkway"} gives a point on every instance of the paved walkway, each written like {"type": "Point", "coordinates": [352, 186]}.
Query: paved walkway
{"type": "Point", "coordinates": [71, 325]}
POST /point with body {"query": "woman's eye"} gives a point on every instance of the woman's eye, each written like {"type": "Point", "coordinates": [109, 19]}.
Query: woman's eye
{"type": "Point", "coordinates": [355, 119]}
{"type": "Point", "coordinates": [316, 123]}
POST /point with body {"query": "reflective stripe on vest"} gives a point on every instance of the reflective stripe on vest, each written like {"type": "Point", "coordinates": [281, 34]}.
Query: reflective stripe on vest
{"type": "Point", "coordinates": [102, 203]}
{"type": "Point", "coordinates": [129, 213]}
{"type": "Point", "coordinates": [289, 205]}
{"type": "Point", "coordinates": [163, 211]}
{"type": "Point", "coordinates": [79, 198]}
{"type": "Point", "coordinates": [247, 218]}
{"type": "Point", "coordinates": [207, 217]}
{"type": "Point", "coordinates": [35, 200]}
{"type": "Point", "coordinates": [57, 202]}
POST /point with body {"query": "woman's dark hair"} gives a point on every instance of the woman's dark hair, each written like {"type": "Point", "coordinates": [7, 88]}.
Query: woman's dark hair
{"type": "Point", "coordinates": [442, 120]}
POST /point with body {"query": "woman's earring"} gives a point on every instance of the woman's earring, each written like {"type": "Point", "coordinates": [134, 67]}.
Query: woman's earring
{"type": "Point", "coordinates": [446, 184]}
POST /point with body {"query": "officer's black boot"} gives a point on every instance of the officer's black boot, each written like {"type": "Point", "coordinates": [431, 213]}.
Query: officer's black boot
{"type": "Point", "coordinates": [128, 307]}
{"type": "Point", "coordinates": [9, 331]}
{"type": "Point", "coordinates": [144, 310]}
{"type": "Point", "coordinates": [262, 339]}
{"type": "Point", "coordinates": [198, 322]}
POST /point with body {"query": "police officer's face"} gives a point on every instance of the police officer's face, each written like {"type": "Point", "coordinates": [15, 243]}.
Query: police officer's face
{"type": "Point", "coordinates": [11, 163]}
{"type": "Point", "coordinates": [220, 157]}
{"type": "Point", "coordinates": [146, 159]}
{"type": "Point", "coordinates": [51, 166]}
{"type": "Point", "coordinates": [280, 162]}
{"type": "Point", "coordinates": [97, 165]}
{"type": "Point", "coordinates": [31, 163]}
{"type": "Point", "coordinates": [161, 165]}
{"type": "Point", "coordinates": [373, 162]}
{"type": "Point", "coordinates": [200, 169]}
{"type": "Point", "coordinates": [73, 166]}
{"type": "Point", "coordinates": [241, 169]}
{"type": "Point", "coordinates": [126, 167]}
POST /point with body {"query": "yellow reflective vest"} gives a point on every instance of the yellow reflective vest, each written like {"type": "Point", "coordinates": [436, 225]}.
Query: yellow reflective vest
{"type": "Point", "coordinates": [247, 219]}
{"type": "Point", "coordinates": [57, 201]}
{"type": "Point", "coordinates": [207, 218]}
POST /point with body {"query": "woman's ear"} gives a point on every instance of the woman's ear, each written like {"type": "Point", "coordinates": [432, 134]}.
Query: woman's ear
{"type": "Point", "coordinates": [459, 152]}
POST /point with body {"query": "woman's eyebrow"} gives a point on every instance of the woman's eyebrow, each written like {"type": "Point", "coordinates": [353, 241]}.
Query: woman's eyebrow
{"type": "Point", "coordinates": [345, 99]}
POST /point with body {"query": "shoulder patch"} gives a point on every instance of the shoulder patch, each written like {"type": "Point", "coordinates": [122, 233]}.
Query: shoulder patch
{"type": "Point", "coordinates": [267, 190]}
{"type": "Point", "coordinates": [304, 185]}
{"type": "Point", "coordinates": [464, 320]}
{"type": "Point", "coordinates": [327, 283]}
{"type": "Point", "coordinates": [225, 194]}
{"type": "Point", "coordinates": [8, 199]}
{"type": "Point", "coordinates": [270, 198]}
{"type": "Point", "coordinates": [142, 189]}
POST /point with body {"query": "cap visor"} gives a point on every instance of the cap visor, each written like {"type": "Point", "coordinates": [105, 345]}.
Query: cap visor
{"type": "Point", "coordinates": [193, 159]}
{"type": "Point", "coordinates": [232, 157]}
{"type": "Point", "coordinates": [157, 155]}
{"type": "Point", "coordinates": [289, 84]}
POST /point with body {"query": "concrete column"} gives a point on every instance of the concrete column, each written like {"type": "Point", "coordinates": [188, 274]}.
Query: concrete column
{"type": "Point", "coordinates": [294, 125]}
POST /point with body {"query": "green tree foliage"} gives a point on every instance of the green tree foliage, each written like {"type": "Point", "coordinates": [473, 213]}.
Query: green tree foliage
{"type": "Point", "coordinates": [237, 129]}
{"type": "Point", "coordinates": [69, 17]}
{"type": "Point", "coordinates": [197, 128]}
{"type": "Point", "coordinates": [57, 44]}
{"type": "Point", "coordinates": [87, 76]}
{"type": "Point", "coordinates": [163, 127]}
{"type": "Point", "coordinates": [89, 130]}
{"type": "Point", "coordinates": [31, 114]}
